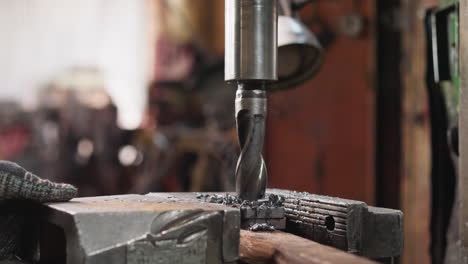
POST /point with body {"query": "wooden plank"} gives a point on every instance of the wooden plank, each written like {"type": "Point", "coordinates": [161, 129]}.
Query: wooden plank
{"type": "Point", "coordinates": [463, 123]}
{"type": "Point", "coordinates": [279, 247]}
{"type": "Point", "coordinates": [415, 135]}
{"type": "Point", "coordinates": [320, 136]}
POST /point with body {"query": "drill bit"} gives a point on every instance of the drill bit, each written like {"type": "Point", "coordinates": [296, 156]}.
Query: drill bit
{"type": "Point", "coordinates": [251, 47]}
{"type": "Point", "coordinates": [251, 172]}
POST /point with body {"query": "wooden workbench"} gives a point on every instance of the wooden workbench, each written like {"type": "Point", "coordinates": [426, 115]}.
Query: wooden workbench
{"type": "Point", "coordinates": [279, 247]}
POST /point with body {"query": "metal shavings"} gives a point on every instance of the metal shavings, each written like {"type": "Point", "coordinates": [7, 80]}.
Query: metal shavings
{"type": "Point", "coordinates": [226, 199]}
{"type": "Point", "coordinates": [270, 200]}
{"type": "Point", "coordinates": [261, 228]}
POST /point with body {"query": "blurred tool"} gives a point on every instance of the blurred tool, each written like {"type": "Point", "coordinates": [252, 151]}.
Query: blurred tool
{"type": "Point", "coordinates": [299, 51]}
{"type": "Point", "coordinates": [443, 86]}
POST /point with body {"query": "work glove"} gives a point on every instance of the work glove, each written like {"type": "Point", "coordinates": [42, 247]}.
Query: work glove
{"type": "Point", "coordinates": [19, 190]}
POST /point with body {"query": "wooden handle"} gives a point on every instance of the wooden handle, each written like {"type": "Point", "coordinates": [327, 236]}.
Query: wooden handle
{"type": "Point", "coordinates": [279, 247]}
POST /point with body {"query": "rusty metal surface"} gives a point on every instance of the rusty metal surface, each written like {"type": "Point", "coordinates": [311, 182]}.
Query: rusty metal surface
{"type": "Point", "coordinates": [146, 228]}
{"type": "Point", "coordinates": [345, 224]}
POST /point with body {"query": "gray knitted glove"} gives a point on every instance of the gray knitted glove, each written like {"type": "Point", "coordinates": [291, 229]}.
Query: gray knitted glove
{"type": "Point", "coordinates": [18, 190]}
{"type": "Point", "coordinates": [16, 183]}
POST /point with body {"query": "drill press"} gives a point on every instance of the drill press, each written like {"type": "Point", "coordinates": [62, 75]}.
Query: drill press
{"type": "Point", "coordinates": [181, 227]}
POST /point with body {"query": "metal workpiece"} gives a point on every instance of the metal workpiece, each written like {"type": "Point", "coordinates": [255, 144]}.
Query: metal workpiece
{"type": "Point", "coordinates": [271, 216]}
{"type": "Point", "coordinates": [251, 172]}
{"type": "Point", "coordinates": [265, 214]}
{"type": "Point", "coordinates": [262, 212]}
{"type": "Point", "coordinates": [152, 228]}
{"type": "Point", "coordinates": [251, 39]}
{"type": "Point", "coordinates": [345, 224]}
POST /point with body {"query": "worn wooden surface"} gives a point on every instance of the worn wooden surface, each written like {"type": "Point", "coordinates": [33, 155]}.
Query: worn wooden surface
{"type": "Point", "coordinates": [416, 166]}
{"type": "Point", "coordinates": [279, 247]}
{"type": "Point", "coordinates": [321, 134]}
{"type": "Point", "coordinates": [463, 175]}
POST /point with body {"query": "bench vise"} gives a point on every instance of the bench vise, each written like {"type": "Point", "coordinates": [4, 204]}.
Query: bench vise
{"type": "Point", "coordinates": [183, 228]}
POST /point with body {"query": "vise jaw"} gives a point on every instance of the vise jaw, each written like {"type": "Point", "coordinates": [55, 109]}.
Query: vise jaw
{"type": "Point", "coordinates": [127, 229]}
{"type": "Point", "coordinates": [349, 225]}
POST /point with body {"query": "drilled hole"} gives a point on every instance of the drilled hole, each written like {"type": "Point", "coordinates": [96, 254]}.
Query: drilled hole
{"type": "Point", "coordinates": [330, 223]}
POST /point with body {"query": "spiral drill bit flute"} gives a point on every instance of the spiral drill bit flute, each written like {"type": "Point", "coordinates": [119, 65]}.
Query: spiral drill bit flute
{"type": "Point", "coordinates": [251, 61]}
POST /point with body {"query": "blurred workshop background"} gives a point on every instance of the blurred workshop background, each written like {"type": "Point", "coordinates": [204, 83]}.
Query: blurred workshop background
{"type": "Point", "coordinates": [129, 97]}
